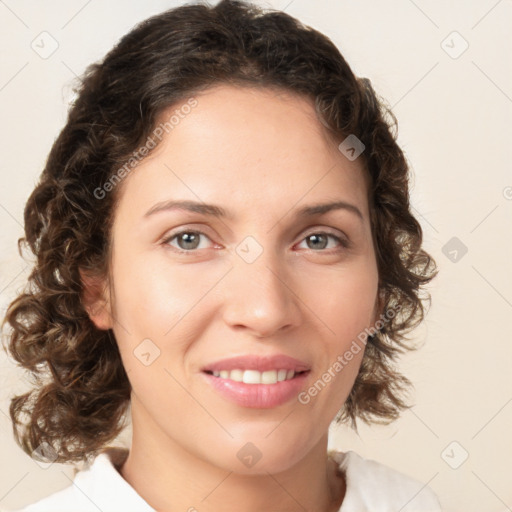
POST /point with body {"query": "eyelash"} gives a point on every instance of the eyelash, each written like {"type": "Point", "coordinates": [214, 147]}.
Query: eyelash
{"type": "Point", "coordinates": [344, 243]}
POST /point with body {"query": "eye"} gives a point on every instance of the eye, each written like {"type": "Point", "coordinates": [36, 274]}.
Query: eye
{"type": "Point", "coordinates": [319, 241]}
{"type": "Point", "coordinates": [190, 240]}
{"type": "Point", "coordinates": [187, 240]}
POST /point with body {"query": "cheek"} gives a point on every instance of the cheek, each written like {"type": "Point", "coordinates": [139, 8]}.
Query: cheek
{"type": "Point", "coordinates": [344, 303]}
{"type": "Point", "coordinates": [343, 299]}
{"type": "Point", "coordinates": [165, 304]}
{"type": "Point", "coordinates": [153, 295]}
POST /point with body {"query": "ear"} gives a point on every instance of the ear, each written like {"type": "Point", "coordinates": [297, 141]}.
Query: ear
{"type": "Point", "coordinates": [96, 300]}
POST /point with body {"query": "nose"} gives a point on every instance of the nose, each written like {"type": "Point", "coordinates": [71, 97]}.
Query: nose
{"type": "Point", "coordinates": [260, 298]}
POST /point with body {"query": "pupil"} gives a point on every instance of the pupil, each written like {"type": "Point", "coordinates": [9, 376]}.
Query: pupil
{"type": "Point", "coordinates": [317, 238]}
{"type": "Point", "coordinates": [188, 238]}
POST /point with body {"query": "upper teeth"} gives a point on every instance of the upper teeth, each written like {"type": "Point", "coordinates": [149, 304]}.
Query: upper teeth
{"type": "Point", "coordinates": [254, 376]}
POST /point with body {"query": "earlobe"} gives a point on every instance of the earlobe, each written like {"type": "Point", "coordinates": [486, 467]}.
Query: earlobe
{"type": "Point", "coordinates": [96, 300]}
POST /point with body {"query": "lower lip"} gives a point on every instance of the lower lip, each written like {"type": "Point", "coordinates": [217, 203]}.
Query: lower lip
{"type": "Point", "coordinates": [259, 396]}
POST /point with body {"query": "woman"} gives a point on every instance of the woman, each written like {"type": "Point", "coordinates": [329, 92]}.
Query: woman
{"type": "Point", "coordinates": [225, 246]}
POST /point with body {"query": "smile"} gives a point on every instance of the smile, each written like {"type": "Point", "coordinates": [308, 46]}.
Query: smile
{"type": "Point", "coordinates": [257, 381]}
{"type": "Point", "coordinates": [255, 376]}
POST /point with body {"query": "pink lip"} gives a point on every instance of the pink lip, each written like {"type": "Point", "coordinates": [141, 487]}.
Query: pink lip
{"type": "Point", "coordinates": [261, 396]}
{"type": "Point", "coordinates": [260, 363]}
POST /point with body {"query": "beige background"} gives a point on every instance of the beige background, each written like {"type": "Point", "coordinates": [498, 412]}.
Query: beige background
{"type": "Point", "coordinates": [454, 120]}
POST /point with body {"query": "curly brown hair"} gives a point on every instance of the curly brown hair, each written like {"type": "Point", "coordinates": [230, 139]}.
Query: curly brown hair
{"type": "Point", "coordinates": [81, 392]}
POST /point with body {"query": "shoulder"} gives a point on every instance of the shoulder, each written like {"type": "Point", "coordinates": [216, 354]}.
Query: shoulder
{"type": "Point", "coordinates": [99, 487]}
{"type": "Point", "coordinates": [375, 487]}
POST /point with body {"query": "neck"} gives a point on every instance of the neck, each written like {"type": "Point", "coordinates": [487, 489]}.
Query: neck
{"type": "Point", "coordinates": [170, 477]}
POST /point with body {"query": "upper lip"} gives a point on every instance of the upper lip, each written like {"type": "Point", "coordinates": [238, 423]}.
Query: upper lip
{"type": "Point", "coordinates": [260, 363]}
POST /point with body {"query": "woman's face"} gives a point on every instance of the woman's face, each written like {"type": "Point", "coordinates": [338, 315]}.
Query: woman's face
{"type": "Point", "coordinates": [280, 289]}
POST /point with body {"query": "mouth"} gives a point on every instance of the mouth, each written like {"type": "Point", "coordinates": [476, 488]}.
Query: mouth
{"type": "Point", "coordinates": [258, 382]}
{"type": "Point", "coordinates": [255, 376]}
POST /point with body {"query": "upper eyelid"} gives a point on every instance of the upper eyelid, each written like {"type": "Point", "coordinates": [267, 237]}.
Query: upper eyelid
{"type": "Point", "coordinates": [309, 231]}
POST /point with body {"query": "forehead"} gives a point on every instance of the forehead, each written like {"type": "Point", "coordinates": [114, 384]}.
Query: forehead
{"type": "Point", "coordinates": [250, 148]}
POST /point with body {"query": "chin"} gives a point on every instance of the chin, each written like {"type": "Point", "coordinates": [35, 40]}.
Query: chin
{"type": "Point", "coordinates": [261, 455]}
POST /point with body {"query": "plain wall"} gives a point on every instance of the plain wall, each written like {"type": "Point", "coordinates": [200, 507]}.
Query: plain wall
{"type": "Point", "coordinates": [454, 113]}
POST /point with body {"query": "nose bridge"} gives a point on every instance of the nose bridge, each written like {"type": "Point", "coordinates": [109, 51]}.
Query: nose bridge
{"type": "Point", "coordinates": [259, 296]}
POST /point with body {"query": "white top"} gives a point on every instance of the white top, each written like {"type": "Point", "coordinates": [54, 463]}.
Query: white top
{"type": "Point", "coordinates": [371, 487]}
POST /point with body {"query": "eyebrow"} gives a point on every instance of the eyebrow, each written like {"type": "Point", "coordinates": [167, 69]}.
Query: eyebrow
{"type": "Point", "coordinates": [219, 212]}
